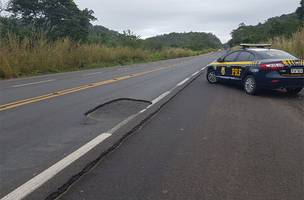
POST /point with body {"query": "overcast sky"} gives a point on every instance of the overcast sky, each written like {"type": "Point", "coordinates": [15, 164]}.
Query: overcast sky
{"type": "Point", "coordinates": [153, 17]}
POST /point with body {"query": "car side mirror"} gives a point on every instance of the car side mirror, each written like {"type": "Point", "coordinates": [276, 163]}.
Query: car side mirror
{"type": "Point", "coordinates": [220, 59]}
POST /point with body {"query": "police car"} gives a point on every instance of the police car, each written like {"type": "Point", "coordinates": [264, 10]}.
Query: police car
{"type": "Point", "coordinates": [257, 66]}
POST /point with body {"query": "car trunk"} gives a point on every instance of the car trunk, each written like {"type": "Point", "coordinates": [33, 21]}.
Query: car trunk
{"type": "Point", "coordinates": [294, 68]}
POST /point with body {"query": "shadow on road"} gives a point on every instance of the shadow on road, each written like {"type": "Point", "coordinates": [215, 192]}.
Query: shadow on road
{"type": "Point", "coordinates": [276, 94]}
{"type": "Point", "coordinates": [295, 102]}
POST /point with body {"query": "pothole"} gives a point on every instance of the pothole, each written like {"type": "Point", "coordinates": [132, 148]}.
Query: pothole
{"type": "Point", "coordinates": [115, 111]}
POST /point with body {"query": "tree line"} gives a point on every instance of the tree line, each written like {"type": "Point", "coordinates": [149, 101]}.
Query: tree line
{"type": "Point", "coordinates": [52, 18]}
{"type": "Point", "coordinates": [193, 40]}
{"type": "Point", "coordinates": [284, 25]}
{"type": "Point", "coordinates": [56, 19]}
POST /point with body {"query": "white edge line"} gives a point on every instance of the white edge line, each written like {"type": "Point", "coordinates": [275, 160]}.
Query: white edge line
{"type": "Point", "coordinates": [121, 124]}
{"type": "Point", "coordinates": [208, 65]}
{"type": "Point", "coordinates": [183, 82]}
{"type": "Point", "coordinates": [90, 74]}
{"type": "Point", "coordinates": [195, 73]}
{"type": "Point", "coordinates": [33, 83]}
{"type": "Point", "coordinates": [203, 68]}
{"type": "Point", "coordinates": [160, 97]}
{"type": "Point", "coordinates": [142, 111]}
{"type": "Point", "coordinates": [34, 183]}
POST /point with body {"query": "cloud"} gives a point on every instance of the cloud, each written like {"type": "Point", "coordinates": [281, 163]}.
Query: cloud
{"type": "Point", "coordinates": [148, 18]}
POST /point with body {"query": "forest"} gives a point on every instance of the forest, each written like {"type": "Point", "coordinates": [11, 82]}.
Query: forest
{"type": "Point", "coordinates": [49, 36]}
{"type": "Point", "coordinates": [282, 26]}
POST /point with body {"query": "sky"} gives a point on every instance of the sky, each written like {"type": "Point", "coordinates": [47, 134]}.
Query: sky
{"type": "Point", "coordinates": [153, 17]}
{"type": "Point", "coordinates": [148, 18]}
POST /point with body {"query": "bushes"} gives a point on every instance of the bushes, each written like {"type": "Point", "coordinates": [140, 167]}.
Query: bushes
{"type": "Point", "coordinates": [294, 44]}
{"type": "Point", "coordinates": [21, 57]}
{"type": "Point", "coordinates": [172, 53]}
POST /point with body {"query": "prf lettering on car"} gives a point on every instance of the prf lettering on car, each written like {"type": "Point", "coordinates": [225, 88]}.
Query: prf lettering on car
{"type": "Point", "coordinates": [236, 72]}
{"type": "Point", "coordinates": [258, 66]}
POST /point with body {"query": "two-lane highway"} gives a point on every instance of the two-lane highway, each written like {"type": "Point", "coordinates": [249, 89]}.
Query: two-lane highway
{"type": "Point", "coordinates": [42, 118]}
{"type": "Point", "coordinates": [211, 142]}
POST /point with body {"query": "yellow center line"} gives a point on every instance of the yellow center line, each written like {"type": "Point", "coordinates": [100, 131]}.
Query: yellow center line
{"type": "Point", "coordinates": [74, 89]}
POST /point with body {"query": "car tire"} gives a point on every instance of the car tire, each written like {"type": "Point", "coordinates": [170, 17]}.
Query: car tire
{"type": "Point", "coordinates": [293, 91]}
{"type": "Point", "coordinates": [250, 85]}
{"type": "Point", "coordinates": [211, 77]}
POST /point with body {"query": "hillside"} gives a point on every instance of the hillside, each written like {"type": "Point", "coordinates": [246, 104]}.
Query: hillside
{"type": "Point", "coordinates": [192, 40]}
{"type": "Point", "coordinates": [284, 25]}
{"type": "Point", "coordinates": [101, 34]}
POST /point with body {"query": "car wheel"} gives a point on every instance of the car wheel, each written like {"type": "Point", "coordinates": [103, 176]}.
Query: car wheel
{"type": "Point", "coordinates": [250, 86]}
{"type": "Point", "coordinates": [293, 91]}
{"type": "Point", "coordinates": [211, 77]}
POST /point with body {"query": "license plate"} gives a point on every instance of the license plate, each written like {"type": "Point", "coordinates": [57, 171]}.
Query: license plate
{"type": "Point", "coordinates": [297, 71]}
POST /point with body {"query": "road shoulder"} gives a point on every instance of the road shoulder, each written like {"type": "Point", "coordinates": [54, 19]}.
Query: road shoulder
{"type": "Point", "coordinates": [210, 142]}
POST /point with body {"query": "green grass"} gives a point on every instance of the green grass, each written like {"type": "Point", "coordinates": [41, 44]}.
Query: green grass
{"type": "Point", "coordinates": [25, 57]}
{"type": "Point", "coordinates": [293, 45]}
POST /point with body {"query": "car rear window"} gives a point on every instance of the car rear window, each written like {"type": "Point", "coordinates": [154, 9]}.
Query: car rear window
{"type": "Point", "coordinates": [275, 54]}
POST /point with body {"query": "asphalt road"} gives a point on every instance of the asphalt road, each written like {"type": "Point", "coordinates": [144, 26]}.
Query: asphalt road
{"type": "Point", "coordinates": [42, 118]}
{"type": "Point", "coordinates": [211, 142]}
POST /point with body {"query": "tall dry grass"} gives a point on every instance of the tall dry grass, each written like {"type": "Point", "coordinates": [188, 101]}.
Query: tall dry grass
{"type": "Point", "coordinates": [27, 57]}
{"type": "Point", "coordinates": [294, 45]}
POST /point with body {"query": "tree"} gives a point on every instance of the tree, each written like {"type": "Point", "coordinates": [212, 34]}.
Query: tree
{"type": "Point", "coordinates": [300, 10]}
{"type": "Point", "coordinates": [1, 8]}
{"type": "Point", "coordinates": [1, 19]}
{"type": "Point", "coordinates": [64, 19]}
{"type": "Point", "coordinates": [242, 24]}
{"type": "Point", "coordinates": [194, 40]}
{"type": "Point", "coordinates": [27, 10]}
{"type": "Point", "coordinates": [56, 18]}
{"type": "Point", "coordinates": [284, 25]}
{"type": "Point", "coordinates": [128, 38]}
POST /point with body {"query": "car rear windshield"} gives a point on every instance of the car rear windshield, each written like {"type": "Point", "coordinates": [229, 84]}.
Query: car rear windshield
{"type": "Point", "coordinates": [275, 54]}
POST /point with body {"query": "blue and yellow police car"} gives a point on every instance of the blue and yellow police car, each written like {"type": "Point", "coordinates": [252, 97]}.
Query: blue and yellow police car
{"type": "Point", "coordinates": [257, 66]}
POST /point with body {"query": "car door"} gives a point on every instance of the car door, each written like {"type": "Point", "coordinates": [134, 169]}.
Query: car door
{"type": "Point", "coordinates": [224, 68]}
{"type": "Point", "coordinates": [242, 63]}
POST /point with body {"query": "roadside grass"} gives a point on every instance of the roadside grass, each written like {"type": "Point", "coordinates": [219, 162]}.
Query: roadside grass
{"type": "Point", "coordinates": [27, 57]}
{"type": "Point", "coordinates": [293, 45]}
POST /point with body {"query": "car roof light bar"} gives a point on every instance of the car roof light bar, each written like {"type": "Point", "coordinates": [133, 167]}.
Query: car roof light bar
{"type": "Point", "coordinates": [244, 46]}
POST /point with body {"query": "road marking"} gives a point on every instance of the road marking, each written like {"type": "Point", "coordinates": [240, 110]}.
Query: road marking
{"type": "Point", "coordinates": [33, 83]}
{"type": "Point", "coordinates": [75, 89]}
{"type": "Point", "coordinates": [142, 111]}
{"type": "Point", "coordinates": [123, 123]}
{"type": "Point", "coordinates": [160, 97]}
{"type": "Point", "coordinates": [203, 68]}
{"type": "Point", "coordinates": [183, 82]}
{"type": "Point", "coordinates": [27, 188]}
{"type": "Point", "coordinates": [31, 185]}
{"type": "Point", "coordinates": [195, 73]}
{"type": "Point", "coordinates": [94, 73]}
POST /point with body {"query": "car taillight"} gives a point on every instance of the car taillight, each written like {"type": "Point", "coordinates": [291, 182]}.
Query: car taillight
{"type": "Point", "coordinates": [272, 66]}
